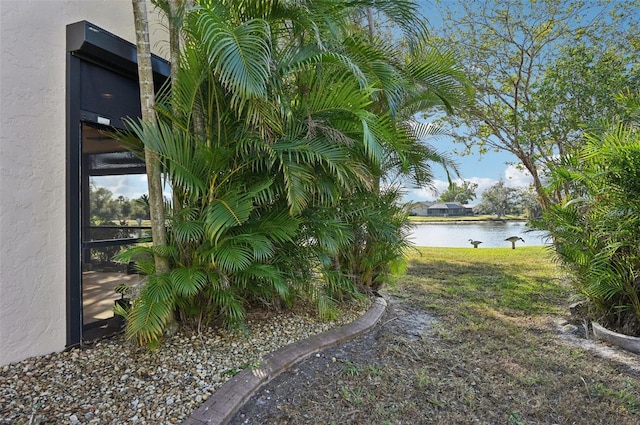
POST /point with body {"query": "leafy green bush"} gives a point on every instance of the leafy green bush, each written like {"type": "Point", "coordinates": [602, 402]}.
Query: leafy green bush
{"type": "Point", "coordinates": [380, 228]}
{"type": "Point", "coordinates": [274, 136]}
{"type": "Point", "coordinates": [596, 231]}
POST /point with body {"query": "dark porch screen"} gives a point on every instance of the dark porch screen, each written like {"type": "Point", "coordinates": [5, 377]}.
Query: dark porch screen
{"type": "Point", "coordinates": [107, 94]}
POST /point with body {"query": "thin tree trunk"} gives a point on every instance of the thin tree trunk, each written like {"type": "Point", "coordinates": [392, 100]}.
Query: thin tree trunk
{"type": "Point", "coordinates": [371, 23]}
{"type": "Point", "coordinates": [175, 25]}
{"type": "Point", "coordinates": [147, 103]}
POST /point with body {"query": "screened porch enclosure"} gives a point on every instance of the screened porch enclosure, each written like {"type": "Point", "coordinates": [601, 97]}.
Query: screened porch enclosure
{"type": "Point", "coordinates": [111, 221]}
{"type": "Point", "coordinates": [106, 183]}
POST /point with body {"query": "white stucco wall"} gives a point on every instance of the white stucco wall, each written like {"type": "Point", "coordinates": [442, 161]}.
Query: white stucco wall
{"type": "Point", "coordinates": [32, 165]}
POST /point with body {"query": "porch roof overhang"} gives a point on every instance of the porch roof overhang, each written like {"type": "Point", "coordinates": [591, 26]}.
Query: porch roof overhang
{"type": "Point", "coordinates": [95, 44]}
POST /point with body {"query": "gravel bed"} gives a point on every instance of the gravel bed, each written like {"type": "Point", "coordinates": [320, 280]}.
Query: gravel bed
{"type": "Point", "coordinates": [115, 382]}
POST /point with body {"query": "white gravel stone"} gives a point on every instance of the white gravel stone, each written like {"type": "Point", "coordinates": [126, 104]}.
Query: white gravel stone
{"type": "Point", "coordinates": [116, 382]}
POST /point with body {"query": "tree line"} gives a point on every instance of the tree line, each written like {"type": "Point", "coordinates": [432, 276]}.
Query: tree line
{"type": "Point", "coordinates": [109, 210]}
{"type": "Point", "coordinates": [499, 199]}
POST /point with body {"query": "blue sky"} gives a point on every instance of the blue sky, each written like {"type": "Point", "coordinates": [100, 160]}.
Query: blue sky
{"type": "Point", "coordinates": [485, 170]}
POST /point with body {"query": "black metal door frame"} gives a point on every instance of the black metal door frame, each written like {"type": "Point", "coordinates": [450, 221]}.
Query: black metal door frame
{"type": "Point", "coordinates": [88, 44]}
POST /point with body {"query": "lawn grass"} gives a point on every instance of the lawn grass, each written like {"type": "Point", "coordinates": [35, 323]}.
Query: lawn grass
{"type": "Point", "coordinates": [496, 309]}
{"type": "Point", "coordinates": [470, 336]}
{"type": "Point", "coordinates": [522, 281]}
{"type": "Point", "coordinates": [482, 217]}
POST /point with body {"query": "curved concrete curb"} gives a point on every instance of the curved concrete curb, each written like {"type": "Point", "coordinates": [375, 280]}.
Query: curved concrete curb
{"type": "Point", "coordinates": [629, 343]}
{"type": "Point", "coordinates": [226, 401]}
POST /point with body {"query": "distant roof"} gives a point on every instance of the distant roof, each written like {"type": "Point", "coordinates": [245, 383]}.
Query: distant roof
{"type": "Point", "coordinates": [447, 205]}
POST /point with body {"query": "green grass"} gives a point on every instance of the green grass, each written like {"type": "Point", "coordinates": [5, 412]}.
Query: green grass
{"type": "Point", "coordinates": [485, 217]}
{"type": "Point", "coordinates": [492, 352]}
{"type": "Point", "coordinates": [522, 281]}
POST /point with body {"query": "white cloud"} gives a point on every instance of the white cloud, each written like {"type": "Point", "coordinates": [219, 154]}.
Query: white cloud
{"type": "Point", "coordinates": [512, 176]}
{"type": "Point", "coordinates": [129, 186]}
{"type": "Point", "coordinates": [517, 177]}
{"type": "Point", "coordinates": [426, 193]}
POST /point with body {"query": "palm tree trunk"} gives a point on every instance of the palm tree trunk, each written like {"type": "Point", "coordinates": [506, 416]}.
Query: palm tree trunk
{"type": "Point", "coordinates": [147, 103]}
{"type": "Point", "coordinates": [175, 25]}
{"type": "Point", "coordinates": [370, 23]}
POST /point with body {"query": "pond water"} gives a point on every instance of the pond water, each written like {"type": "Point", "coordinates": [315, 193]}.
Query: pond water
{"type": "Point", "coordinates": [491, 233]}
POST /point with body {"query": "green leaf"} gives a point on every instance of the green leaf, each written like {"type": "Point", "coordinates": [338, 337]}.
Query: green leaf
{"type": "Point", "coordinates": [188, 281]}
{"type": "Point", "coordinates": [240, 55]}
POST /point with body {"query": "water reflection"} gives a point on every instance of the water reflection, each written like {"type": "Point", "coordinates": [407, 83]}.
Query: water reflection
{"type": "Point", "coordinates": [491, 233]}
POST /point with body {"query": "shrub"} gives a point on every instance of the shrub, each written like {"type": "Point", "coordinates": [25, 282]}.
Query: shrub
{"type": "Point", "coordinates": [596, 231]}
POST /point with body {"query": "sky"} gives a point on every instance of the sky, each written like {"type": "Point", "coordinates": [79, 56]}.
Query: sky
{"type": "Point", "coordinates": [131, 186]}
{"type": "Point", "coordinates": [485, 170]}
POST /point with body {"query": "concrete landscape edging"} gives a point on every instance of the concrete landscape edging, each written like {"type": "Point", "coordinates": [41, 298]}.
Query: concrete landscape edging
{"type": "Point", "coordinates": [629, 343]}
{"type": "Point", "coordinates": [226, 401]}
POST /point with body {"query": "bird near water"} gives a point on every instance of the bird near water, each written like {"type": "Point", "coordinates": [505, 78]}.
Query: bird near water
{"type": "Point", "coordinates": [513, 240]}
{"type": "Point", "coordinates": [475, 243]}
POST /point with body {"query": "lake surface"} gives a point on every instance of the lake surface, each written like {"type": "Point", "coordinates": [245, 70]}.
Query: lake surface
{"type": "Point", "coordinates": [491, 233]}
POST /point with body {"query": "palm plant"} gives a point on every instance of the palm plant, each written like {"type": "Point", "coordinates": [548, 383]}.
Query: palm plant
{"type": "Point", "coordinates": [272, 137]}
{"type": "Point", "coordinates": [407, 77]}
{"type": "Point", "coordinates": [596, 233]}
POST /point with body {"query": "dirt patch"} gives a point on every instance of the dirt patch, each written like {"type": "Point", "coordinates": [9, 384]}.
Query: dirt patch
{"type": "Point", "coordinates": [411, 321]}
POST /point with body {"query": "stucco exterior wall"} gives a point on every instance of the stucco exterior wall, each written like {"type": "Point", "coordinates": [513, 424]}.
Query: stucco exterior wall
{"type": "Point", "coordinates": [32, 164]}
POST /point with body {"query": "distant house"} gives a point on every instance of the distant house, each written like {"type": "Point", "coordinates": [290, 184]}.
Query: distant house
{"type": "Point", "coordinates": [448, 209]}
{"type": "Point", "coordinates": [419, 208]}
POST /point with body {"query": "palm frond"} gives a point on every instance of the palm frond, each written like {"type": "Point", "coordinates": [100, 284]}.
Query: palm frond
{"type": "Point", "coordinates": [150, 312]}
{"type": "Point", "coordinates": [240, 55]}
{"type": "Point", "coordinates": [225, 211]}
{"type": "Point", "coordinates": [229, 304]}
{"type": "Point", "coordinates": [437, 76]}
{"type": "Point", "coordinates": [188, 281]}
{"type": "Point", "coordinates": [187, 231]}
